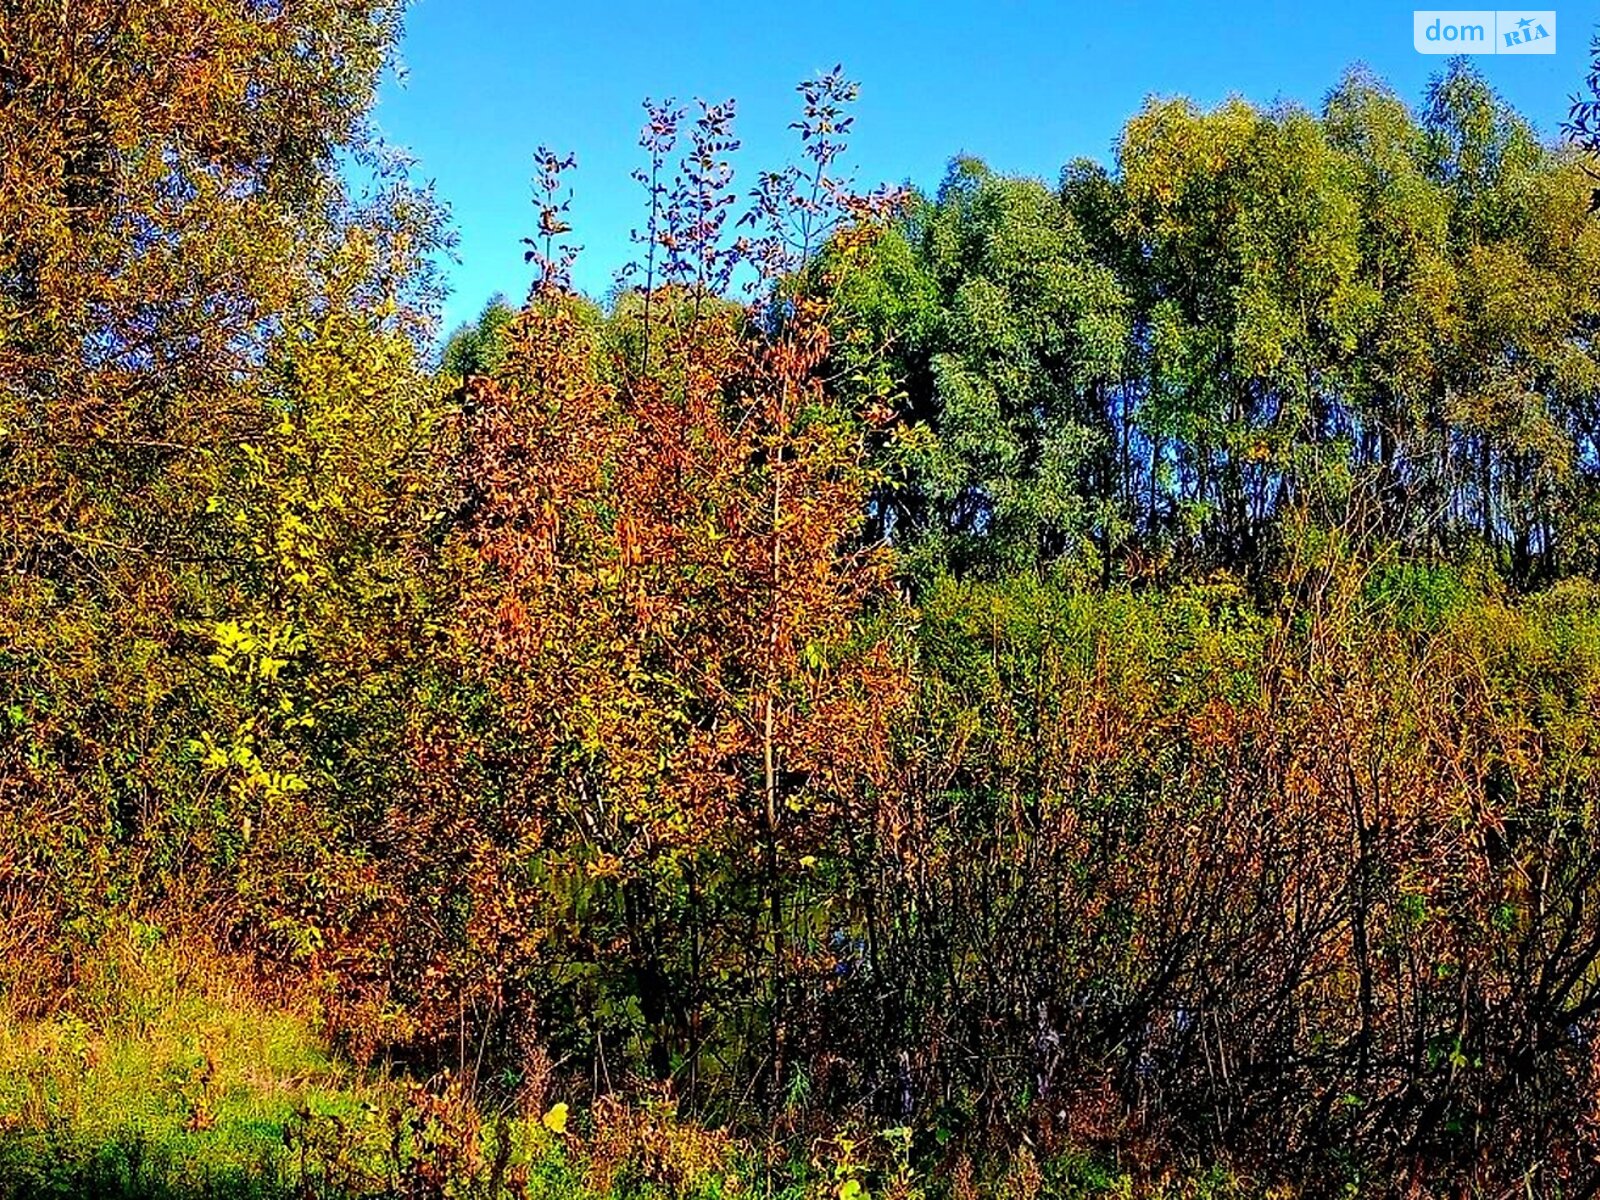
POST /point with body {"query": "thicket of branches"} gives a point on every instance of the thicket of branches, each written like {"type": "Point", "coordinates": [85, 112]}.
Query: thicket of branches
{"type": "Point", "coordinates": [1112, 666]}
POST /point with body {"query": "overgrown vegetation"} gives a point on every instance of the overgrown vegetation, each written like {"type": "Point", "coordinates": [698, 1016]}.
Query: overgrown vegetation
{"type": "Point", "coordinates": [1030, 691]}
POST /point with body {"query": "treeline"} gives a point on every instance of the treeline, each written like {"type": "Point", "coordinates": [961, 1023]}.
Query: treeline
{"type": "Point", "coordinates": [1380, 315]}
{"type": "Point", "coordinates": [761, 700]}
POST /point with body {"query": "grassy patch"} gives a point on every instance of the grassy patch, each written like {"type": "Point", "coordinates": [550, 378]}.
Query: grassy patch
{"type": "Point", "coordinates": [158, 1076]}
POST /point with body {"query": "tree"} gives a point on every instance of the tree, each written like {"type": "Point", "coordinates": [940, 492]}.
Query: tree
{"type": "Point", "coordinates": [478, 347]}
{"type": "Point", "coordinates": [682, 681]}
{"type": "Point", "coordinates": [170, 180]}
{"type": "Point", "coordinates": [173, 217]}
{"type": "Point", "coordinates": [1010, 339]}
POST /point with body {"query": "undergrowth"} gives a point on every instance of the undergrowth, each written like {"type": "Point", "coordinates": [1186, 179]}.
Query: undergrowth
{"type": "Point", "coordinates": [166, 1074]}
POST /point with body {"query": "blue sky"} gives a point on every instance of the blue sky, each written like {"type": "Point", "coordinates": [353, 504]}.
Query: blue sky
{"type": "Point", "coordinates": [1025, 86]}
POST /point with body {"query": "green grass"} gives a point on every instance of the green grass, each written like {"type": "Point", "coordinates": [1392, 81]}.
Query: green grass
{"type": "Point", "coordinates": [152, 1079]}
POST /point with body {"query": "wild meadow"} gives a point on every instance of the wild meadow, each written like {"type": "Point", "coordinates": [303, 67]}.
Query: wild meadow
{"type": "Point", "coordinates": [1044, 688]}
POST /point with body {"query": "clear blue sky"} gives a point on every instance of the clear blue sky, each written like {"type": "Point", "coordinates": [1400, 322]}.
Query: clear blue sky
{"type": "Point", "coordinates": [1025, 86]}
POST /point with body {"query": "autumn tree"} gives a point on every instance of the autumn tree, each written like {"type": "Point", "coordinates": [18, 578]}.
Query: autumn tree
{"type": "Point", "coordinates": [674, 628]}
{"type": "Point", "coordinates": [174, 216]}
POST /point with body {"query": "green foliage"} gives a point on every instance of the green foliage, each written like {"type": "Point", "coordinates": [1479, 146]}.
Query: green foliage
{"type": "Point", "coordinates": [1374, 315]}
{"type": "Point", "coordinates": [1416, 596]}
{"type": "Point", "coordinates": [478, 347]}
{"type": "Point", "coordinates": [1007, 331]}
